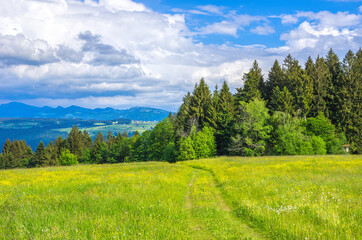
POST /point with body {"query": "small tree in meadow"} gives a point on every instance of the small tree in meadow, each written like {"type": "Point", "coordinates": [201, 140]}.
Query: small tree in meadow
{"type": "Point", "coordinates": [66, 158]}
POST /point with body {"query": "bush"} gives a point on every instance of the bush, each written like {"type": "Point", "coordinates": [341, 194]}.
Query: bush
{"type": "Point", "coordinates": [319, 145]}
{"type": "Point", "coordinates": [170, 153]}
{"type": "Point", "coordinates": [187, 151]}
{"type": "Point", "coordinates": [67, 159]}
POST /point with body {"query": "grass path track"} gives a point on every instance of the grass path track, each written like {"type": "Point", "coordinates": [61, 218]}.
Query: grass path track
{"type": "Point", "coordinates": [211, 217]}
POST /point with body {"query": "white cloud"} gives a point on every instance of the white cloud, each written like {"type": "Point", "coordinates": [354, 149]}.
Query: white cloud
{"type": "Point", "coordinates": [231, 25]}
{"type": "Point", "coordinates": [360, 8]}
{"type": "Point", "coordinates": [18, 50]}
{"type": "Point", "coordinates": [263, 30]}
{"type": "Point", "coordinates": [328, 19]}
{"type": "Point", "coordinates": [289, 19]}
{"type": "Point", "coordinates": [212, 9]}
{"type": "Point", "coordinates": [321, 38]}
{"type": "Point", "coordinates": [120, 53]}
{"type": "Point", "coordinates": [224, 27]}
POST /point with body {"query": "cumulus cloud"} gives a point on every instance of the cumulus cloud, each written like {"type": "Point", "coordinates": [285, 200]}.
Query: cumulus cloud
{"type": "Point", "coordinates": [212, 9]}
{"type": "Point", "coordinates": [120, 53]}
{"type": "Point", "coordinates": [263, 30]}
{"type": "Point", "coordinates": [322, 31]}
{"type": "Point", "coordinates": [328, 19]}
{"type": "Point", "coordinates": [104, 54]}
{"type": "Point", "coordinates": [289, 19]}
{"type": "Point", "coordinates": [231, 26]}
{"type": "Point", "coordinates": [18, 50]}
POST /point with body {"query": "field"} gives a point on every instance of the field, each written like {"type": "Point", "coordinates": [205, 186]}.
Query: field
{"type": "Point", "coordinates": [310, 197]}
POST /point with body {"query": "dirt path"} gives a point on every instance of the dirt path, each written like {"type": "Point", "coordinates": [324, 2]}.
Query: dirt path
{"type": "Point", "coordinates": [211, 217]}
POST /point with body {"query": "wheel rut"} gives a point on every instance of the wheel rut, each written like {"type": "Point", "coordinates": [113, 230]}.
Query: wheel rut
{"type": "Point", "coordinates": [210, 215]}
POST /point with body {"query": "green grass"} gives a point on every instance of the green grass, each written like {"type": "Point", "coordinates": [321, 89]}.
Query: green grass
{"type": "Point", "coordinates": [313, 197]}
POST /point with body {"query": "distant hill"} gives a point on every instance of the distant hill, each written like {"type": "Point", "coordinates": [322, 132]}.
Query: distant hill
{"type": "Point", "coordinates": [21, 110]}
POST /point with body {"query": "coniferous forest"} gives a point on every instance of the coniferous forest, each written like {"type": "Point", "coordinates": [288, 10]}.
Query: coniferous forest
{"type": "Point", "coordinates": [294, 110]}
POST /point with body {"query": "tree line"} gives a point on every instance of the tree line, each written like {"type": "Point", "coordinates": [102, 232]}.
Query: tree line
{"type": "Point", "coordinates": [295, 110]}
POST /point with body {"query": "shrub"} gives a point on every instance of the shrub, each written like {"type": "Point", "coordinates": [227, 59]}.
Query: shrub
{"type": "Point", "coordinates": [319, 145]}
{"type": "Point", "coordinates": [170, 153]}
{"type": "Point", "coordinates": [67, 159]}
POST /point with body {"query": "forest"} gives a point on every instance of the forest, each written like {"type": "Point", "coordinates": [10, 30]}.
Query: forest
{"type": "Point", "coordinates": [295, 110]}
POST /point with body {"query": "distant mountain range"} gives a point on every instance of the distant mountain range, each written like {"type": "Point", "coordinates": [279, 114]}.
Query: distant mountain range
{"type": "Point", "coordinates": [21, 110]}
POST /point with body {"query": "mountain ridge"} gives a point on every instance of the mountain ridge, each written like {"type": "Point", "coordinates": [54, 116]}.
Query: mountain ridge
{"type": "Point", "coordinates": [22, 110]}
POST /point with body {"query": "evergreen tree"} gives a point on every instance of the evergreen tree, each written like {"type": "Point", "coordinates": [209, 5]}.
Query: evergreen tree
{"type": "Point", "coordinates": [225, 117]}
{"type": "Point", "coordinates": [75, 141]}
{"type": "Point", "coordinates": [299, 85]}
{"type": "Point", "coordinates": [322, 86]}
{"type": "Point", "coordinates": [282, 101]}
{"type": "Point", "coordinates": [87, 140]}
{"type": "Point", "coordinates": [125, 134]}
{"type": "Point", "coordinates": [253, 85]}
{"type": "Point", "coordinates": [356, 95]}
{"type": "Point", "coordinates": [99, 139]}
{"type": "Point", "coordinates": [110, 138]}
{"type": "Point", "coordinates": [213, 109]}
{"type": "Point", "coordinates": [183, 116]}
{"type": "Point", "coordinates": [39, 158]}
{"type": "Point", "coordinates": [119, 137]}
{"type": "Point", "coordinates": [51, 154]}
{"type": "Point", "coordinates": [7, 155]}
{"type": "Point", "coordinates": [335, 69]}
{"type": "Point", "coordinates": [275, 79]}
{"type": "Point", "coordinates": [200, 103]}
{"type": "Point", "coordinates": [350, 99]}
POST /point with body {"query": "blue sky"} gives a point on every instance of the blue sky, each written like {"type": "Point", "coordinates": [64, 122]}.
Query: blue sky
{"type": "Point", "coordinates": [124, 53]}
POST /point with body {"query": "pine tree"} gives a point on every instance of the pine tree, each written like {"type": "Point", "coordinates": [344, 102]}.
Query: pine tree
{"type": "Point", "coordinates": [275, 79]}
{"type": "Point", "coordinates": [213, 109]}
{"type": "Point", "coordinates": [200, 102]}
{"type": "Point", "coordinates": [299, 85]}
{"type": "Point", "coordinates": [87, 140]}
{"type": "Point", "coordinates": [322, 86]}
{"type": "Point", "coordinates": [39, 158]}
{"type": "Point", "coordinates": [125, 134]}
{"type": "Point", "coordinates": [75, 140]}
{"type": "Point", "coordinates": [335, 69]}
{"type": "Point", "coordinates": [99, 139]}
{"type": "Point", "coordinates": [282, 101]}
{"type": "Point", "coordinates": [7, 156]}
{"type": "Point", "coordinates": [183, 115]}
{"type": "Point", "coordinates": [51, 154]}
{"type": "Point", "coordinates": [350, 99]}
{"type": "Point", "coordinates": [110, 138]}
{"type": "Point", "coordinates": [253, 85]}
{"type": "Point", "coordinates": [225, 119]}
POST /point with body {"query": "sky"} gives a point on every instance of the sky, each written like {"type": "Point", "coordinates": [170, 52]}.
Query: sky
{"type": "Point", "coordinates": [150, 53]}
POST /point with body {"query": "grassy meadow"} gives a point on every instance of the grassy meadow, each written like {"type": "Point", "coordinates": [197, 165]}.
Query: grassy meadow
{"type": "Point", "coordinates": [309, 197]}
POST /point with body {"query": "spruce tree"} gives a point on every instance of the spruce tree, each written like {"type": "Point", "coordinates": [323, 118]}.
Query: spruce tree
{"type": "Point", "coordinates": [335, 69]}
{"type": "Point", "coordinates": [75, 140]}
{"type": "Point", "coordinates": [39, 158]}
{"type": "Point", "coordinates": [275, 79]}
{"type": "Point", "coordinates": [322, 86]}
{"type": "Point", "coordinates": [110, 138]}
{"type": "Point", "coordinates": [225, 119]}
{"type": "Point", "coordinates": [253, 85]}
{"type": "Point", "coordinates": [200, 103]}
{"type": "Point", "coordinates": [282, 101]}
